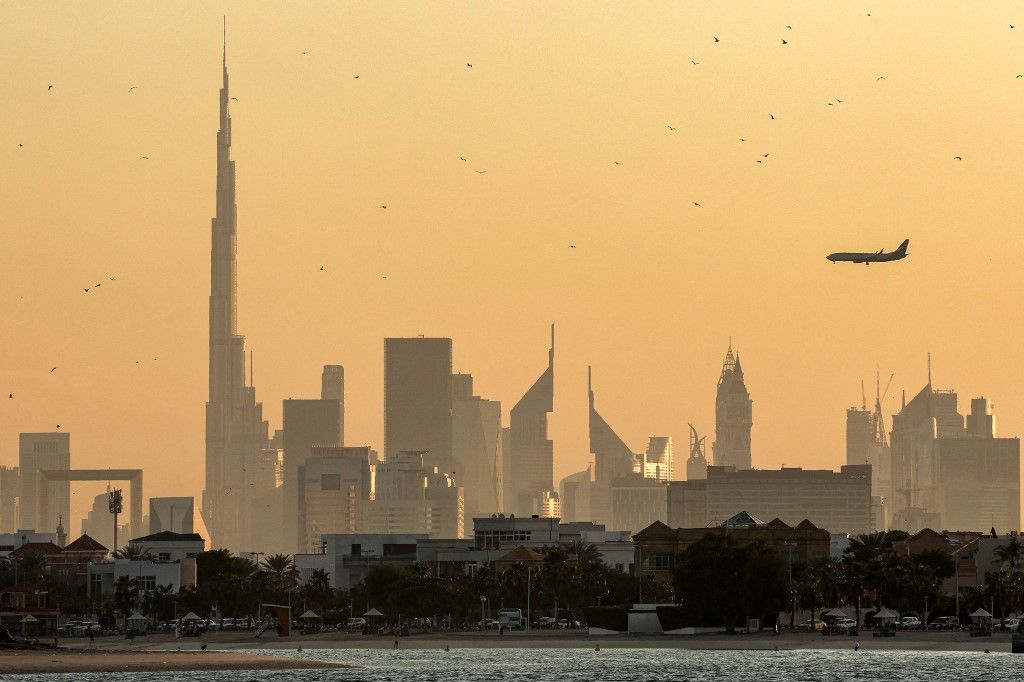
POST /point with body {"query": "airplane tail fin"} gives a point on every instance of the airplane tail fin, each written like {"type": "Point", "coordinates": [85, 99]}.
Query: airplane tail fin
{"type": "Point", "coordinates": [902, 248]}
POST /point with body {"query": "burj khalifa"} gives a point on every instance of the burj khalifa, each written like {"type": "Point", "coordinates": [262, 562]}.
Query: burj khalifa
{"type": "Point", "coordinates": [235, 431]}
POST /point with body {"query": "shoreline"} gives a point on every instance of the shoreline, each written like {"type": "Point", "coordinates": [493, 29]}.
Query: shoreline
{"type": "Point", "coordinates": [763, 641]}
{"type": "Point", "coordinates": [74, 660]}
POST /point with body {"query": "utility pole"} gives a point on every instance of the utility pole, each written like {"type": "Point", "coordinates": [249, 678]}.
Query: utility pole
{"type": "Point", "coordinates": [528, 570]}
{"type": "Point", "coordinates": [792, 594]}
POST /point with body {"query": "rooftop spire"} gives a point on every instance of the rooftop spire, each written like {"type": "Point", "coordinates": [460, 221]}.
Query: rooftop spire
{"type": "Point", "coordinates": [225, 42]}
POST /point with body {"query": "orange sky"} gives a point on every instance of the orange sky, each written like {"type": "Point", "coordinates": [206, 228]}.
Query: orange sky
{"type": "Point", "coordinates": [557, 93]}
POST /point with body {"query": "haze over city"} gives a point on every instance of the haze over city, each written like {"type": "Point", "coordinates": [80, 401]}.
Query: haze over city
{"type": "Point", "coordinates": [596, 130]}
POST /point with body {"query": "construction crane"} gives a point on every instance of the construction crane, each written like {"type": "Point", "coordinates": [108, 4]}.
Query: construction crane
{"type": "Point", "coordinates": [879, 418]}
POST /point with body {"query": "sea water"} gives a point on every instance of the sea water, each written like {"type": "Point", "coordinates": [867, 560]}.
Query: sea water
{"type": "Point", "coordinates": [587, 665]}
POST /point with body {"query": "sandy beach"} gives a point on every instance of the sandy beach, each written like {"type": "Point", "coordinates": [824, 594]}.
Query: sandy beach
{"type": "Point", "coordinates": [67, 660]}
{"type": "Point", "coordinates": [235, 641]}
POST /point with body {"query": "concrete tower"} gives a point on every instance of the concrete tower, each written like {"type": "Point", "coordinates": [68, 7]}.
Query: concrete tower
{"type": "Point", "coordinates": [733, 416]}
{"type": "Point", "coordinates": [235, 430]}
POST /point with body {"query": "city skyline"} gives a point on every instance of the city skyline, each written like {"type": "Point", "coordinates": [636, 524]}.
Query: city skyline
{"type": "Point", "coordinates": [140, 337]}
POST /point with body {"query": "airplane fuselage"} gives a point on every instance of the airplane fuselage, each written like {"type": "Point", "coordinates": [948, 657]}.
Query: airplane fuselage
{"type": "Point", "coordinates": [880, 256]}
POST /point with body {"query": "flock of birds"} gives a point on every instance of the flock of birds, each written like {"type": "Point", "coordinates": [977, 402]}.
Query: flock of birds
{"type": "Point", "coordinates": [671, 129]}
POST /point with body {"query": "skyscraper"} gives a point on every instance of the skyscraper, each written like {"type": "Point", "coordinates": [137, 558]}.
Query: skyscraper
{"type": "Point", "coordinates": [171, 513]}
{"type": "Point", "coordinates": [9, 493]}
{"type": "Point", "coordinates": [307, 423]}
{"type": "Point", "coordinates": [235, 430]}
{"type": "Point", "coordinates": [38, 452]}
{"type": "Point", "coordinates": [418, 399]}
{"type": "Point", "coordinates": [477, 457]}
{"type": "Point", "coordinates": [531, 460]}
{"type": "Point", "coordinates": [612, 460]}
{"type": "Point", "coordinates": [733, 416]}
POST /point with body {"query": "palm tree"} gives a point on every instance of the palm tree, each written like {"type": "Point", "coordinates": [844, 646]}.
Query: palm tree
{"type": "Point", "coordinates": [282, 571]}
{"type": "Point", "coordinates": [1010, 554]}
{"type": "Point", "coordinates": [125, 594]}
{"type": "Point", "coordinates": [134, 553]}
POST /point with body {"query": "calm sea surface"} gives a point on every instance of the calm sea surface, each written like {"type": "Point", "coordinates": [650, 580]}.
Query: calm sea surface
{"type": "Point", "coordinates": [584, 665]}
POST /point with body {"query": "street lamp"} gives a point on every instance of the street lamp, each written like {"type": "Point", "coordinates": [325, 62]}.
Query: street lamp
{"type": "Point", "coordinates": [483, 617]}
{"type": "Point", "coordinates": [792, 594]}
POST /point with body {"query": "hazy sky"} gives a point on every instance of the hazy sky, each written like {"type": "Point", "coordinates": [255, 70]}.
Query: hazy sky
{"type": "Point", "coordinates": [558, 92]}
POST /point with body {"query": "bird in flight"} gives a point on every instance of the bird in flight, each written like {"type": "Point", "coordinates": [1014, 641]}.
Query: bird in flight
{"type": "Point", "coordinates": [839, 101]}
{"type": "Point", "coordinates": [743, 139]}
{"type": "Point", "coordinates": [958, 158]}
{"type": "Point", "coordinates": [143, 157]}
{"type": "Point", "coordinates": [383, 205]}
{"type": "Point", "coordinates": [716, 39]}
{"type": "Point", "coordinates": [880, 78]}
{"type": "Point", "coordinates": [694, 63]}
{"type": "Point", "coordinates": [1020, 75]}
{"type": "Point", "coordinates": [758, 161]}
{"type": "Point", "coordinates": [617, 163]}
{"type": "Point", "coordinates": [1012, 26]}
{"type": "Point", "coordinates": [469, 65]}
{"type": "Point", "coordinates": [696, 204]}
{"type": "Point", "coordinates": [480, 172]}
{"type": "Point", "coordinates": [306, 52]}
{"type": "Point", "coordinates": [234, 99]}
{"type": "Point", "coordinates": [85, 289]}
{"type": "Point", "coordinates": [789, 27]}
{"type": "Point", "coordinates": [10, 395]}
{"type": "Point", "coordinates": [20, 144]}
{"type": "Point", "coordinates": [572, 246]}
{"type": "Point", "coordinates": [50, 87]}
{"type": "Point", "coordinates": [765, 156]}
{"type": "Point", "coordinates": [321, 268]}
{"type": "Point", "coordinates": [132, 88]}
{"type": "Point", "coordinates": [772, 116]}
{"type": "Point", "coordinates": [112, 279]}
{"type": "Point", "coordinates": [53, 370]}
{"type": "Point", "coordinates": [785, 42]}
{"type": "Point", "coordinates": [671, 128]}
{"type": "Point", "coordinates": [462, 158]}
{"type": "Point", "coordinates": [829, 103]}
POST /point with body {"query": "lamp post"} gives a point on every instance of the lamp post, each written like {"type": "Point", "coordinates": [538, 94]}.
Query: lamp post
{"type": "Point", "coordinates": [792, 594]}
{"type": "Point", "coordinates": [528, 570]}
{"type": "Point", "coordinates": [483, 617]}
{"type": "Point", "coordinates": [640, 570]}
{"type": "Point", "coordinates": [366, 589]}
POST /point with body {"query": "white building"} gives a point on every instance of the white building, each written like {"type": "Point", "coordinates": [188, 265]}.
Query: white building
{"type": "Point", "coordinates": [103, 576]}
{"type": "Point", "coordinates": [168, 546]}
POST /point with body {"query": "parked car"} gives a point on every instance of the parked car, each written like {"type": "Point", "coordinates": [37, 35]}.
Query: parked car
{"type": "Point", "coordinates": [488, 624]}
{"type": "Point", "coordinates": [567, 624]}
{"type": "Point", "coordinates": [545, 622]}
{"type": "Point", "coordinates": [811, 625]}
{"type": "Point", "coordinates": [353, 624]}
{"type": "Point", "coordinates": [944, 623]}
{"type": "Point", "coordinates": [909, 623]}
{"type": "Point", "coordinates": [1008, 625]}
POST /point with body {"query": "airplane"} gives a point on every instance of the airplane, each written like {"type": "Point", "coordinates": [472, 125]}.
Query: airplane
{"type": "Point", "coordinates": [868, 258]}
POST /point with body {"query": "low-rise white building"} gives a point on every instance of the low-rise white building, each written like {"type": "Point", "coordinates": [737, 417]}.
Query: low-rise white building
{"type": "Point", "coordinates": [103, 576]}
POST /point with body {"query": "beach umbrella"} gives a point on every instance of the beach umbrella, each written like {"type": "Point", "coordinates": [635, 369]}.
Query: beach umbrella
{"type": "Point", "coordinates": [136, 616]}
{"type": "Point", "coordinates": [308, 614]}
{"type": "Point", "coordinates": [29, 619]}
{"type": "Point", "coordinates": [884, 614]}
{"type": "Point", "coordinates": [373, 612]}
{"type": "Point", "coordinates": [190, 616]}
{"type": "Point", "coordinates": [834, 613]}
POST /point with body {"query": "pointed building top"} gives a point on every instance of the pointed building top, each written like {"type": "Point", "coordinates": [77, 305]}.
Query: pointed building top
{"type": "Point", "coordinates": [225, 42]}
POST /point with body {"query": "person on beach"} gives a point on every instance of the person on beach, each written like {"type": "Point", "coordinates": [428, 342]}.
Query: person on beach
{"type": "Point", "coordinates": [396, 639]}
{"type": "Point", "coordinates": [202, 647]}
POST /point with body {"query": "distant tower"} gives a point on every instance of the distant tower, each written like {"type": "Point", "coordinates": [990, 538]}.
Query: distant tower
{"type": "Point", "coordinates": [697, 463]}
{"type": "Point", "coordinates": [733, 416]}
{"type": "Point", "coordinates": [62, 535]}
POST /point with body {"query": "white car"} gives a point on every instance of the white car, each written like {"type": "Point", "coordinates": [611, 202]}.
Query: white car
{"type": "Point", "coordinates": [909, 623]}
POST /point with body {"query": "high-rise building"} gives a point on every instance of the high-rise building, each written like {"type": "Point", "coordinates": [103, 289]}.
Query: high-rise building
{"type": "Point", "coordinates": [531, 452]}
{"type": "Point", "coordinates": [733, 416]}
{"type": "Point", "coordinates": [637, 502]}
{"type": "Point", "coordinates": [867, 443]}
{"type": "Point", "coordinates": [411, 498]}
{"type": "Point", "coordinates": [839, 501]}
{"type": "Point", "coordinates": [332, 386]}
{"type": "Point", "coordinates": [697, 463]}
{"type": "Point", "coordinates": [657, 461]}
{"type": "Point", "coordinates": [335, 486]}
{"type": "Point", "coordinates": [574, 495]}
{"type": "Point", "coordinates": [235, 430]}
{"type": "Point", "coordinates": [418, 399]}
{"type": "Point", "coordinates": [9, 493]}
{"type": "Point", "coordinates": [477, 456]}
{"type": "Point", "coordinates": [171, 513]}
{"type": "Point", "coordinates": [307, 423]}
{"type": "Point", "coordinates": [43, 452]}
{"type": "Point", "coordinates": [612, 457]}
{"type": "Point", "coordinates": [965, 474]}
